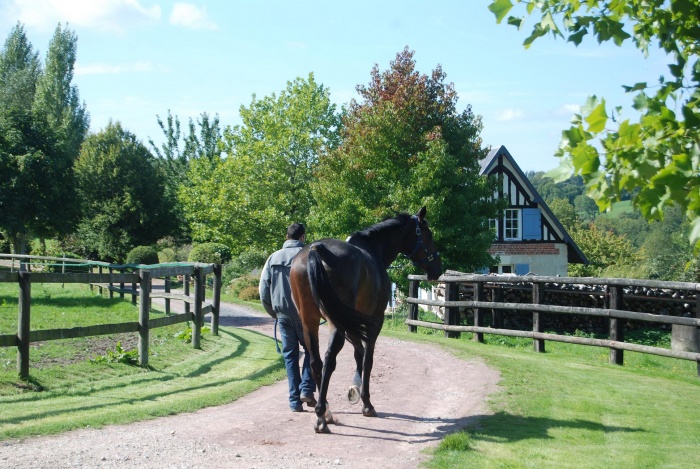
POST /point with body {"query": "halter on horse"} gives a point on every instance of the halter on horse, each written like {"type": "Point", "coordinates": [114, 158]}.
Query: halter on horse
{"type": "Point", "coordinates": [347, 283]}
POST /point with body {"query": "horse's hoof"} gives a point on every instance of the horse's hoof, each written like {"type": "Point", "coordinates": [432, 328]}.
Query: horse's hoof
{"type": "Point", "coordinates": [353, 394]}
{"type": "Point", "coordinates": [369, 412]}
{"type": "Point", "coordinates": [321, 427]}
{"type": "Point", "coordinates": [329, 416]}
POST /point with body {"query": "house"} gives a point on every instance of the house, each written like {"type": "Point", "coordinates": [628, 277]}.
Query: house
{"type": "Point", "coordinates": [529, 238]}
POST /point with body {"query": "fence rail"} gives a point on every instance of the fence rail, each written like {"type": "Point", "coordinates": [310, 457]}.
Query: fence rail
{"type": "Point", "coordinates": [613, 312]}
{"type": "Point", "coordinates": [141, 280]}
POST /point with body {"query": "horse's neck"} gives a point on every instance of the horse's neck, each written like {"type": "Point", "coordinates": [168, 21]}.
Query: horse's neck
{"type": "Point", "coordinates": [382, 249]}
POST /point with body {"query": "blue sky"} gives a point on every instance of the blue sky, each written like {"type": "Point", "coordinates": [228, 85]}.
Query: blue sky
{"type": "Point", "coordinates": [140, 58]}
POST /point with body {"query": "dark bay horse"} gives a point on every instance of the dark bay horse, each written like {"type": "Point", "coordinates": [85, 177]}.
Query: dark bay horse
{"type": "Point", "coordinates": [347, 284]}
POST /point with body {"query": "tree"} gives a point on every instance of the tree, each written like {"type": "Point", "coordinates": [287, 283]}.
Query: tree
{"type": "Point", "coordinates": [20, 69]}
{"type": "Point", "coordinates": [247, 199]}
{"type": "Point", "coordinates": [57, 98]}
{"type": "Point", "coordinates": [608, 255]}
{"type": "Point", "coordinates": [37, 195]}
{"type": "Point", "coordinates": [404, 146]}
{"type": "Point", "coordinates": [120, 188]}
{"type": "Point", "coordinates": [659, 155]}
{"type": "Point", "coordinates": [175, 161]}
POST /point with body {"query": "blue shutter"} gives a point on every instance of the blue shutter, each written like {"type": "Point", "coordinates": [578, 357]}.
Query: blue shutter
{"type": "Point", "coordinates": [532, 223]}
{"type": "Point", "coordinates": [522, 269]}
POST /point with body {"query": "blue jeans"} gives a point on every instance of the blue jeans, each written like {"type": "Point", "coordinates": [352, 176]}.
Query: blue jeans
{"type": "Point", "coordinates": [300, 383]}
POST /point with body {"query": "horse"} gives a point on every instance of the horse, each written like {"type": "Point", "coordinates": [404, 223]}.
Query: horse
{"type": "Point", "coordinates": [346, 283]}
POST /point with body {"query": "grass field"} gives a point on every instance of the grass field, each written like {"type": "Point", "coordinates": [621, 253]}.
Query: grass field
{"type": "Point", "coordinates": [565, 408]}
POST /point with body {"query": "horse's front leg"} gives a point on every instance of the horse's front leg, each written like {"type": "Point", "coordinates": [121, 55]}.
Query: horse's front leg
{"type": "Point", "coordinates": [368, 361]}
{"type": "Point", "coordinates": [335, 345]}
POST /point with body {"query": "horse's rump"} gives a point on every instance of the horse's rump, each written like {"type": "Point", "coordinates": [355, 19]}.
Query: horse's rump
{"type": "Point", "coordinates": [343, 316]}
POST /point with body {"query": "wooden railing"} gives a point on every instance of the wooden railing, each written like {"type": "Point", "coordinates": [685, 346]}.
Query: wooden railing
{"type": "Point", "coordinates": [616, 316]}
{"type": "Point", "coordinates": [141, 280]}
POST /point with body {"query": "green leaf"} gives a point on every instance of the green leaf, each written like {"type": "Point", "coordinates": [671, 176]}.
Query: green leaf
{"type": "Point", "coordinates": [500, 9]}
{"type": "Point", "coordinates": [585, 159]}
{"type": "Point", "coordinates": [562, 172]}
{"type": "Point", "coordinates": [636, 87]}
{"type": "Point", "coordinates": [695, 232]}
{"type": "Point", "coordinates": [597, 118]}
{"type": "Point", "coordinates": [577, 37]}
{"type": "Point", "coordinates": [692, 119]}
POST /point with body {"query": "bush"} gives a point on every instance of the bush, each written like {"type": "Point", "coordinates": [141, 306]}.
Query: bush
{"type": "Point", "coordinates": [210, 253]}
{"type": "Point", "coordinates": [146, 255]}
{"type": "Point", "coordinates": [4, 245]}
{"type": "Point", "coordinates": [237, 285]}
{"type": "Point", "coordinates": [166, 255]}
{"type": "Point", "coordinates": [246, 263]}
{"type": "Point", "coordinates": [249, 294]}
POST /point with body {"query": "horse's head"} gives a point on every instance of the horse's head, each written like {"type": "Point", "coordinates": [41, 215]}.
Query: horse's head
{"type": "Point", "coordinates": [421, 250]}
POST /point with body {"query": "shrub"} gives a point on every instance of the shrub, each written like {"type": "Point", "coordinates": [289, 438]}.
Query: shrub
{"type": "Point", "coordinates": [237, 285]}
{"type": "Point", "coordinates": [142, 255]}
{"type": "Point", "coordinates": [246, 263]}
{"type": "Point", "coordinates": [166, 255]}
{"type": "Point", "coordinates": [210, 253]}
{"type": "Point", "coordinates": [249, 294]}
{"type": "Point", "coordinates": [4, 245]}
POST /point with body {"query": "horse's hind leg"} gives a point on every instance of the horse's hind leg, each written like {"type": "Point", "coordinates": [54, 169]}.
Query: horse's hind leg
{"type": "Point", "coordinates": [368, 361]}
{"type": "Point", "coordinates": [335, 345]}
{"type": "Point", "coordinates": [359, 353]}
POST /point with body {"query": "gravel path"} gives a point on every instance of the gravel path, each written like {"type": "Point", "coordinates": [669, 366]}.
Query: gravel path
{"type": "Point", "coordinates": [421, 393]}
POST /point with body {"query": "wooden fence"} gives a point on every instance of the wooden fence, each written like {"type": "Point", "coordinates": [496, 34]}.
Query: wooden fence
{"type": "Point", "coordinates": [617, 317]}
{"type": "Point", "coordinates": [140, 279]}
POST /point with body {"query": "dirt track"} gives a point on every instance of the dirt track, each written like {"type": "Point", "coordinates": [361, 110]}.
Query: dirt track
{"type": "Point", "coordinates": [421, 393]}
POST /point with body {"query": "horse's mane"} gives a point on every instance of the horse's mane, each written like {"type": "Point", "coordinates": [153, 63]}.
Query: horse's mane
{"type": "Point", "coordinates": [388, 223]}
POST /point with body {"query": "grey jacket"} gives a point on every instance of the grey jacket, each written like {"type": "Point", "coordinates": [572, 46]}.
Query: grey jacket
{"type": "Point", "coordinates": [275, 290]}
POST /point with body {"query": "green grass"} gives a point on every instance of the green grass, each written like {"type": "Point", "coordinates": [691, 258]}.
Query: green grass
{"type": "Point", "coordinates": [623, 206]}
{"type": "Point", "coordinates": [68, 390]}
{"type": "Point", "coordinates": [570, 408]}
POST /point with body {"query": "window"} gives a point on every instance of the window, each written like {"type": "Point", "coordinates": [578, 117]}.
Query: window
{"type": "Point", "coordinates": [501, 269]}
{"type": "Point", "coordinates": [511, 224]}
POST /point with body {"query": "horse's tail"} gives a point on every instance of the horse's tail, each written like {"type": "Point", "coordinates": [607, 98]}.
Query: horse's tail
{"type": "Point", "coordinates": [341, 315]}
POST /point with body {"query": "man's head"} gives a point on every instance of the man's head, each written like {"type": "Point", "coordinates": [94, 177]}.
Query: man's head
{"type": "Point", "coordinates": [296, 231]}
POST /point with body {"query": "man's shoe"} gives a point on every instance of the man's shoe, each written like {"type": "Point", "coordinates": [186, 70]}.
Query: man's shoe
{"type": "Point", "coordinates": [309, 400]}
{"type": "Point", "coordinates": [298, 408]}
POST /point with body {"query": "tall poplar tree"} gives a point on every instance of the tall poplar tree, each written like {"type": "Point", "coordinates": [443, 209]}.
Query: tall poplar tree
{"type": "Point", "coordinates": [37, 142]}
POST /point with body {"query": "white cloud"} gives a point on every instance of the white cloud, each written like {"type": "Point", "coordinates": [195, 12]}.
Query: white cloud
{"type": "Point", "coordinates": [189, 16]}
{"type": "Point", "coordinates": [509, 115]}
{"type": "Point", "coordinates": [107, 15]}
{"type": "Point", "coordinates": [104, 69]}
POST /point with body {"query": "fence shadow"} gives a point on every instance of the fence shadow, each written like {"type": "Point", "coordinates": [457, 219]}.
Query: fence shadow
{"type": "Point", "coordinates": [506, 428]}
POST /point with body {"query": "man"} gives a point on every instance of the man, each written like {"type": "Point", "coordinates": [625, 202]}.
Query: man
{"type": "Point", "coordinates": [276, 297]}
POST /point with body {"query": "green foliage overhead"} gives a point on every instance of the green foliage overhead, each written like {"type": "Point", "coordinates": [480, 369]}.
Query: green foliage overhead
{"type": "Point", "coordinates": [146, 255]}
{"type": "Point", "coordinates": [404, 146]}
{"type": "Point", "coordinates": [657, 157]}
{"type": "Point", "coordinates": [121, 189]}
{"type": "Point", "coordinates": [249, 198]}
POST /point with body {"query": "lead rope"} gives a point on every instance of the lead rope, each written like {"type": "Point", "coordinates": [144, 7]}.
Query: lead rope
{"type": "Point", "coordinates": [277, 345]}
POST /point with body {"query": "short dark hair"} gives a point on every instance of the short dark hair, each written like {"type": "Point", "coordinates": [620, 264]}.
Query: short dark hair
{"type": "Point", "coordinates": [295, 231]}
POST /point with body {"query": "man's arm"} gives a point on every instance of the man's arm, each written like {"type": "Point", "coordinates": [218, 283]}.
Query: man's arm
{"type": "Point", "coordinates": [264, 289]}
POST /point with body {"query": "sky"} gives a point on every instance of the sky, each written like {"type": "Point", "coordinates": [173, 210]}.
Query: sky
{"type": "Point", "coordinates": [139, 59]}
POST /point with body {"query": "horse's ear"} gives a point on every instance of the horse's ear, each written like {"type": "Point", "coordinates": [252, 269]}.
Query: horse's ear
{"type": "Point", "coordinates": [421, 214]}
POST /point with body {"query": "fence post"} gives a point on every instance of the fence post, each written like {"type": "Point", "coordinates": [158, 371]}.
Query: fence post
{"type": "Point", "coordinates": [497, 297]}
{"type": "Point", "coordinates": [451, 313]}
{"type": "Point", "coordinates": [216, 300]}
{"type": "Point", "coordinates": [144, 310]}
{"type": "Point", "coordinates": [167, 300]}
{"type": "Point", "coordinates": [23, 324]}
{"type": "Point", "coordinates": [121, 285]}
{"type": "Point", "coordinates": [111, 293]}
{"type": "Point", "coordinates": [412, 307]}
{"type": "Point", "coordinates": [99, 286]}
{"type": "Point", "coordinates": [186, 288]}
{"type": "Point", "coordinates": [133, 293]}
{"type": "Point", "coordinates": [697, 315]}
{"type": "Point", "coordinates": [537, 299]}
{"type": "Point", "coordinates": [198, 300]}
{"type": "Point", "coordinates": [478, 316]}
{"type": "Point", "coordinates": [617, 326]}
